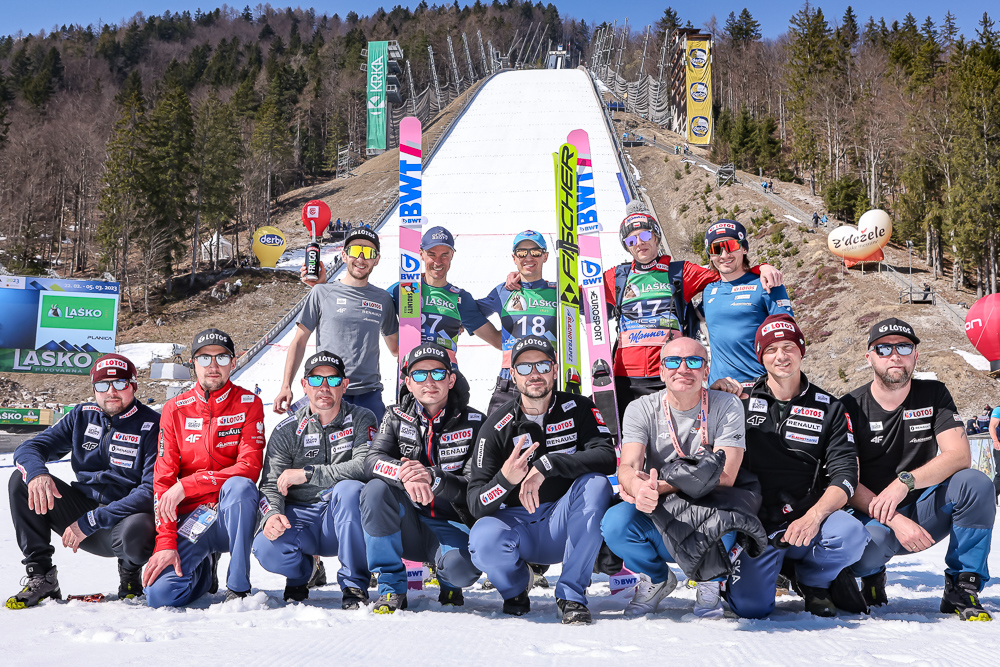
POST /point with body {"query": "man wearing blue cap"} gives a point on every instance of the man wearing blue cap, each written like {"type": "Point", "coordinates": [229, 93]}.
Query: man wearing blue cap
{"type": "Point", "coordinates": [446, 310]}
{"type": "Point", "coordinates": [736, 305]}
{"type": "Point", "coordinates": [528, 311]}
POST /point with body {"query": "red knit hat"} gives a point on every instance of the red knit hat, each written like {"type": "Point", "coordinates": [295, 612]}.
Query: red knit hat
{"type": "Point", "coordinates": [775, 328]}
{"type": "Point", "coordinates": [113, 367]}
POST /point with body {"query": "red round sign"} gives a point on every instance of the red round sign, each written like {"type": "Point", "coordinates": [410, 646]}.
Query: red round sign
{"type": "Point", "coordinates": [982, 326]}
{"type": "Point", "coordinates": [316, 216]}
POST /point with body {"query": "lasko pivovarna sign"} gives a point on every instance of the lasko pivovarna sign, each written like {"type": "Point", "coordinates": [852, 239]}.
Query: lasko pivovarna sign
{"type": "Point", "coordinates": [52, 325]}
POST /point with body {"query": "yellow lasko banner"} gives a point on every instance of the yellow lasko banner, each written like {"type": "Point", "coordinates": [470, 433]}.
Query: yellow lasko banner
{"type": "Point", "coordinates": [699, 91]}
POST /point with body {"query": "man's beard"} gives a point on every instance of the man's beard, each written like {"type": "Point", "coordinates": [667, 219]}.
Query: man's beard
{"type": "Point", "coordinates": [890, 381]}
{"type": "Point", "coordinates": [537, 391]}
{"type": "Point", "coordinates": [213, 384]}
{"type": "Point", "coordinates": [359, 274]}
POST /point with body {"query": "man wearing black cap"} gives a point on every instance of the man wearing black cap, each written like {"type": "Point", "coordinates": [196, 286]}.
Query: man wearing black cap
{"type": "Point", "coordinates": [210, 455]}
{"type": "Point", "coordinates": [800, 446]}
{"type": "Point", "coordinates": [107, 511]}
{"type": "Point", "coordinates": [311, 486]}
{"type": "Point", "coordinates": [446, 310]}
{"type": "Point", "coordinates": [347, 315]}
{"type": "Point", "coordinates": [538, 486]}
{"type": "Point", "coordinates": [736, 305]}
{"type": "Point", "coordinates": [915, 485]}
{"type": "Point", "coordinates": [414, 507]}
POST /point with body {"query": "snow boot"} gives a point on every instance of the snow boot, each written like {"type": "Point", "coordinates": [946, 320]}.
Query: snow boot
{"type": "Point", "coordinates": [818, 601]}
{"type": "Point", "coordinates": [573, 613]}
{"type": "Point", "coordinates": [352, 598]}
{"type": "Point", "coordinates": [389, 603]}
{"type": "Point", "coordinates": [129, 582]}
{"type": "Point", "coordinates": [37, 587]}
{"type": "Point", "coordinates": [961, 596]}
{"type": "Point", "coordinates": [873, 589]}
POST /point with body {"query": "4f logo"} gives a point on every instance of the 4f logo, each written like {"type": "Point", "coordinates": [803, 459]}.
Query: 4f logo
{"type": "Point", "coordinates": [193, 437]}
{"type": "Point", "coordinates": [756, 420]}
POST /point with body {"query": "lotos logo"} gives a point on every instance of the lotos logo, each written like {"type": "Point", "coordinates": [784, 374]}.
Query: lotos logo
{"type": "Point", "coordinates": [561, 426]}
{"type": "Point", "coordinates": [126, 437]}
{"type": "Point", "coordinates": [699, 91]}
{"type": "Point", "coordinates": [776, 326]}
{"type": "Point", "coordinates": [922, 413]}
{"type": "Point", "coordinates": [212, 336]}
{"type": "Point", "coordinates": [812, 413]}
{"type": "Point", "coordinates": [231, 420]}
{"type": "Point", "coordinates": [372, 304]}
{"type": "Point", "coordinates": [491, 495]}
{"type": "Point", "coordinates": [387, 469]}
{"type": "Point", "coordinates": [719, 226]}
{"type": "Point", "coordinates": [503, 422]}
{"type": "Point", "coordinates": [746, 288]}
{"type": "Point", "coordinates": [591, 269]}
{"type": "Point", "coordinates": [456, 436]}
{"type": "Point", "coordinates": [698, 58]}
{"type": "Point", "coordinates": [895, 327]}
{"type": "Point", "coordinates": [109, 363]}
{"type": "Point", "coordinates": [271, 240]}
{"type": "Point", "coordinates": [699, 126]}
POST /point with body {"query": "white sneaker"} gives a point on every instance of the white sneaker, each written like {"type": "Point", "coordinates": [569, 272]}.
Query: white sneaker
{"type": "Point", "coordinates": [648, 595]}
{"type": "Point", "coordinates": [707, 602]}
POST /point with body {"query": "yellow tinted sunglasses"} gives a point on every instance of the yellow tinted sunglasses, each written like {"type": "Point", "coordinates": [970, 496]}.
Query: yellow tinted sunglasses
{"type": "Point", "coordinates": [362, 251]}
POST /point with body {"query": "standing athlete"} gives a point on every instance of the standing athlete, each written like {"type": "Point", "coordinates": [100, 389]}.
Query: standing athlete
{"type": "Point", "coordinates": [528, 311]}
{"type": "Point", "coordinates": [446, 310]}
{"type": "Point", "coordinates": [736, 305]}
{"type": "Point", "coordinates": [650, 297]}
{"type": "Point", "coordinates": [347, 315]}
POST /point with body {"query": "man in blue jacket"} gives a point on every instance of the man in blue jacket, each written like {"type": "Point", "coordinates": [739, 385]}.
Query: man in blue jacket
{"type": "Point", "coordinates": [108, 510]}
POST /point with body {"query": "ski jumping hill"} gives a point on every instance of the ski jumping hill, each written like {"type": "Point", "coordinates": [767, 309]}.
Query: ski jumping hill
{"type": "Point", "coordinates": [491, 178]}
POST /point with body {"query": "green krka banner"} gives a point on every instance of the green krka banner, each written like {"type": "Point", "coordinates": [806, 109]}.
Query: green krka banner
{"type": "Point", "coordinates": [378, 63]}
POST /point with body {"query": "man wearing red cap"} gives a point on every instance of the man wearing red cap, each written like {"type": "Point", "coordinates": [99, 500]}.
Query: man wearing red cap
{"type": "Point", "coordinates": [210, 455]}
{"type": "Point", "coordinates": [107, 511]}
{"type": "Point", "coordinates": [800, 445]}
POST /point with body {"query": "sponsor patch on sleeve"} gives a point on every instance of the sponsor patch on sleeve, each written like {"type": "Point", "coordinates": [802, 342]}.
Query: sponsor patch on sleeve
{"type": "Point", "coordinates": [598, 416]}
{"type": "Point", "coordinates": [264, 505]}
{"type": "Point", "coordinates": [387, 469]}
{"type": "Point", "coordinates": [488, 497]}
{"type": "Point", "coordinates": [91, 519]}
{"type": "Point", "coordinates": [503, 422]}
{"type": "Point", "coordinates": [545, 462]}
{"type": "Point", "coordinates": [246, 398]}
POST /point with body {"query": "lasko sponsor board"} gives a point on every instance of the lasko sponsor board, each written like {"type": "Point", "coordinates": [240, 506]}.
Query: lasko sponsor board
{"type": "Point", "coordinates": [52, 325]}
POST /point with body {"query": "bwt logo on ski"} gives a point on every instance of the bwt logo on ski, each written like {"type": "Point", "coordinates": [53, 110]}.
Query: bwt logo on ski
{"type": "Point", "coordinates": [409, 267]}
{"type": "Point", "coordinates": [591, 272]}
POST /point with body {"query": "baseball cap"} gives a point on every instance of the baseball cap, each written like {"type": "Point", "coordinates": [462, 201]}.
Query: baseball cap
{"type": "Point", "coordinates": [529, 235]}
{"type": "Point", "coordinates": [532, 343]}
{"type": "Point", "coordinates": [325, 359]}
{"type": "Point", "coordinates": [212, 337]}
{"type": "Point", "coordinates": [726, 229]}
{"type": "Point", "coordinates": [436, 236]}
{"type": "Point", "coordinates": [775, 328]}
{"type": "Point", "coordinates": [113, 367]}
{"type": "Point", "coordinates": [426, 351]}
{"type": "Point", "coordinates": [362, 233]}
{"type": "Point", "coordinates": [892, 327]}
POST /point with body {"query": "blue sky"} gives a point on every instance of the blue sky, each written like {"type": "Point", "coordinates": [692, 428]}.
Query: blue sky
{"type": "Point", "coordinates": [32, 16]}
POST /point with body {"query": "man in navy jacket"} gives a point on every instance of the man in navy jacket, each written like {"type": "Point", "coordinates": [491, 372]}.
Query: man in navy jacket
{"type": "Point", "coordinates": [108, 510]}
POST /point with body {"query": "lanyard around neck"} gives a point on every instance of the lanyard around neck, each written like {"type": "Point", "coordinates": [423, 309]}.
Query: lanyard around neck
{"type": "Point", "coordinates": [702, 425]}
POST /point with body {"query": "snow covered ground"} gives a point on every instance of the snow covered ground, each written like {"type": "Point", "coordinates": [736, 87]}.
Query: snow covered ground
{"type": "Point", "coordinates": [263, 629]}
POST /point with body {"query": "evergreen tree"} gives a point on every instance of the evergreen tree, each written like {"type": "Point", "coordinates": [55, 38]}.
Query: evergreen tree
{"type": "Point", "coordinates": [270, 144]}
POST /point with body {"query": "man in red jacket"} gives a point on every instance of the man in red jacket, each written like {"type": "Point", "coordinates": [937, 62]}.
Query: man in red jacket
{"type": "Point", "coordinates": [204, 483]}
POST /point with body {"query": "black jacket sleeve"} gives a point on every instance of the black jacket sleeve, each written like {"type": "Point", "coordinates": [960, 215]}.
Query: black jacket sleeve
{"type": "Point", "coordinates": [841, 455]}
{"type": "Point", "coordinates": [487, 487]}
{"type": "Point", "coordinates": [595, 451]}
{"type": "Point", "coordinates": [383, 458]}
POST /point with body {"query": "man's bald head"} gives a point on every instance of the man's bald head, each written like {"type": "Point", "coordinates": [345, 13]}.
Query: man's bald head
{"type": "Point", "coordinates": [682, 346]}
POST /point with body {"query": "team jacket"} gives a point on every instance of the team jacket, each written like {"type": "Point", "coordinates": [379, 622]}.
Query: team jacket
{"type": "Point", "coordinates": [806, 448]}
{"type": "Point", "coordinates": [336, 452]}
{"type": "Point", "coordinates": [112, 458]}
{"type": "Point", "coordinates": [572, 441]}
{"type": "Point", "coordinates": [645, 313]}
{"type": "Point", "coordinates": [204, 440]}
{"type": "Point", "coordinates": [442, 442]}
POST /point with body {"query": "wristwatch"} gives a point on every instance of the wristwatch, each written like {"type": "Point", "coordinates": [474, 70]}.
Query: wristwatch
{"type": "Point", "coordinates": [907, 478]}
{"type": "Point", "coordinates": [309, 470]}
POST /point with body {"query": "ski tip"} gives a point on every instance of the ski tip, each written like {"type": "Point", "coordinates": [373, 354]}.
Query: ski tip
{"type": "Point", "coordinates": [410, 123]}
{"type": "Point", "coordinates": [581, 140]}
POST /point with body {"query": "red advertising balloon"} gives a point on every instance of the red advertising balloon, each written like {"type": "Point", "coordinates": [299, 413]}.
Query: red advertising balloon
{"type": "Point", "coordinates": [982, 326]}
{"type": "Point", "coordinates": [316, 216]}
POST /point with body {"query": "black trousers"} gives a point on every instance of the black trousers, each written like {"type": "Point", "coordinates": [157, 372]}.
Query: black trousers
{"type": "Point", "coordinates": [130, 540]}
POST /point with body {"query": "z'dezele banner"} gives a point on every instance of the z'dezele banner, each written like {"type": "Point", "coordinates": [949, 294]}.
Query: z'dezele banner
{"type": "Point", "coordinates": [699, 91]}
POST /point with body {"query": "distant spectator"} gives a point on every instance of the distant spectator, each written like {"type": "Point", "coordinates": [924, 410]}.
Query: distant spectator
{"type": "Point", "coordinates": [770, 187]}
{"type": "Point", "coordinates": [815, 219]}
{"type": "Point", "coordinates": [825, 220]}
{"type": "Point", "coordinates": [927, 293]}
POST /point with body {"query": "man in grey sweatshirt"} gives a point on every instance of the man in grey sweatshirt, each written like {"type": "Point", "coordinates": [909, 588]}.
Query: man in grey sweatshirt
{"type": "Point", "coordinates": [311, 486]}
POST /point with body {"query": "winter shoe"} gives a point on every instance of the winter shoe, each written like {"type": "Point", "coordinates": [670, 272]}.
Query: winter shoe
{"type": "Point", "coordinates": [389, 603]}
{"type": "Point", "coordinates": [451, 597]}
{"type": "Point", "coordinates": [373, 582]}
{"type": "Point", "coordinates": [235, 595]}
{"type": "Point", "coordinates": [782, 586]}
{"type": "Point", "coordinates": [488, 585]}
{"type": "Point", "coordinates": [318, 577]}
{"type": "Point", "coordinates": [648, 595]}
{"type": "Point", "coordinates": [129, 582]}
{"type": "Point", "coordinates": [818, 601]}
{"type": "Point", "coordinates": [538, 571]}
{"type": "Point", "coordinates": [845, 594]}
{"type": "Point", "coordinates": [707, 602]}
{"type": "Point", "coordinates": [37, 587]}
{"type": "Point", "coordinates": [519, 605]}
{"type": "Point", "coordinates": [353, 598]}
{"type": "Point", "coordinates": [873, 589]}
{"type": "Point", "coordinates": [295, 593]}
{"type": "Point", "coordinates": [961, 596]}
{"type": "Point", "coordinates": [573, 613]}
{"type": "Point", "coordinates": [213, 588]}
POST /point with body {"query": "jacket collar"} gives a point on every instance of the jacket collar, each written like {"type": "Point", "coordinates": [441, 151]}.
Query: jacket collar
{"type": "Point", "coordinates": [760, 386]}
{"type": "Point", "coordinates": [125, 414]}
{"type": "Point", "coordinates": [216, 397]}
{"type": "Point", "coordinates": [661, 263]}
